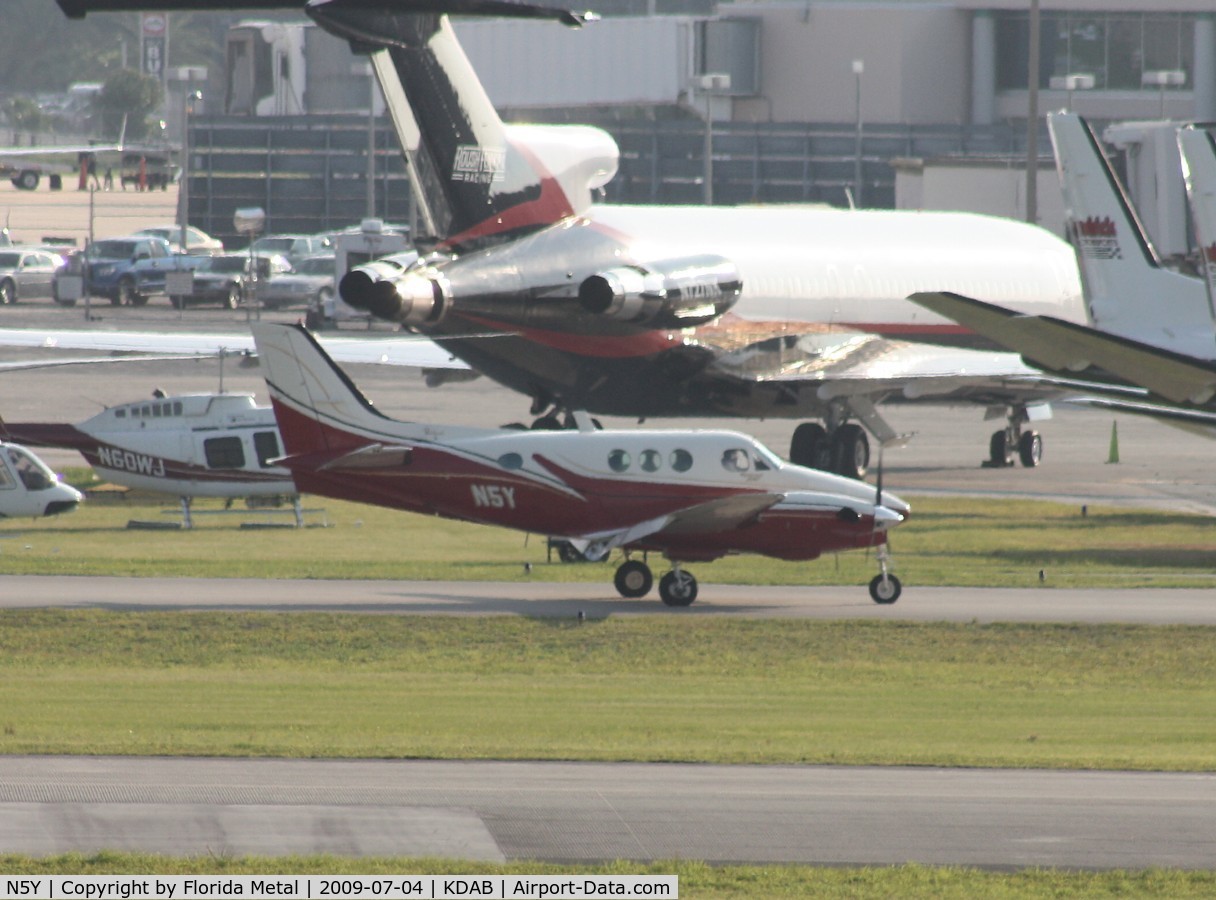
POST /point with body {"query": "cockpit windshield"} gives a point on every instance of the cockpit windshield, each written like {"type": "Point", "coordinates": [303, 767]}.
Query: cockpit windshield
{"type": "Point", "coordinates": [32, 471]}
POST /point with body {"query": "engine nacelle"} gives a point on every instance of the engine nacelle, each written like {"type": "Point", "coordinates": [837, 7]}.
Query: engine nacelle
{"type": "Point", "coordinates": [673, 293]}
{"type": "Point", "coordinates": [411, 298]}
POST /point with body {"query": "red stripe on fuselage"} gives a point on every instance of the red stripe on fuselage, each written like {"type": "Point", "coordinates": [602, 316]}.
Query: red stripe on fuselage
{"type": "Point", "coordinates": [649, 342]}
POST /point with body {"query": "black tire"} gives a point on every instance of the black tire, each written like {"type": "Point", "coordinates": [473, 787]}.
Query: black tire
{"type": "Point", "coordinates": [885, 589]}
{"type": "Point", "coordinates": [138, 299]}
{"type": "Point", "coordinates": [27, 180]}
{"type": "Point", "coordinates": [550, 422]}
{"type": "Point", "coordinates": [1030, 449]}
{"type": "Point", "coordinates": [633, 579]}
{"type": "Point", "coordinates": [233, 298]}
{"type": "Point", "coordinates": [8, 292]}
{"type": "Point", "coordinates": [807, 446]}
{"type": "Point", "coordinates": [850, 451]}
{"type": "Point", "coordinates": [678, 589]}
{"type": "Point", "coordinates": [568, 553]}
{"type": "Point", "coordinates": [177, 302]}
{"type": "Point", "coordinates": [126, 293]}
{"type": "Point", "coordinates": [999, 451]}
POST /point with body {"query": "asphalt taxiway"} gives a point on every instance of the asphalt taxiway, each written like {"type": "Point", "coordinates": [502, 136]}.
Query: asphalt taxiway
{"type": "Point", "coordinates": [583, 812]}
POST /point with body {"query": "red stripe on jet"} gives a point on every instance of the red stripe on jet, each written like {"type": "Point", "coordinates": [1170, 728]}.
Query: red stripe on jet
{"type": "Point", "coordinates": [645, 343]}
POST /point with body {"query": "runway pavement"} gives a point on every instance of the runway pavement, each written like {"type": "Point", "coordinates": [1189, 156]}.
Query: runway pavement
{"type": "Point", "coordinates": [583, 812]}
{"type": "Point", "coordinates": [1148, 606]}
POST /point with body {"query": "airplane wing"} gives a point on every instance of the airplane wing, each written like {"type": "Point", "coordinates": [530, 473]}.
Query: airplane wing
{"type": "Point", "coordinates": [390, 351]}
{"type": "Point", "coordinates": [1066, 346]}
{"type": "Point", "coordinates": [719, 514]}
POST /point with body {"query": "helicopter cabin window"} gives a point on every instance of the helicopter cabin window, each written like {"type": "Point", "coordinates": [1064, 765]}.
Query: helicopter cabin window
{"type": "Point", "coordinates": [650, 460]}
{"type": "Point", "coordinates": [618, 460]}
{"type": "Point", "coordinates": [266, 445]}
{"type": "Point", "coordinates": [681, 460]}
{"type": "Point", "coordinates": [736, 460]}
{"type": "Point", "coordinates": [6, 479]}
{"type": "Point", "coordinates": [224, 453]}
{"type": "Point", "coordinates": [120, 413]}
{"type": "Point", "coordinates": [31, 474]}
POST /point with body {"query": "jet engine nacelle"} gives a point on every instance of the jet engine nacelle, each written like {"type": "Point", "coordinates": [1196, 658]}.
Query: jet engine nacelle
{"type": "Point", "coordinates": [411, 298]}
{"type": "Point", "coordinates": [672, 293]}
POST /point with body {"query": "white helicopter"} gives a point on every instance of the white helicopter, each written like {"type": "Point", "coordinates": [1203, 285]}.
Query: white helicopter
{"type": "Point", "coordinates": [192, 445]}
{"type": "Point", "coordinates": [28, 487]}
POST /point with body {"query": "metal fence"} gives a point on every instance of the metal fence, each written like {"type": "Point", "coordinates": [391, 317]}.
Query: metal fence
{"type": "Point", "coordinates": [310, 173]}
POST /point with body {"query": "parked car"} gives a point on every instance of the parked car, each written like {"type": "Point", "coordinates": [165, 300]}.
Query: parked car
{"type": "Point", "coordinates": [26, 274]}
{"type": "Point", "coordinates": [293, 246]}
{"type": "Point", "coordinates": [225, 279]}
{"type": "Point", "coordinates": [309, 283]}
{"type": "Point", "coordinates": [198, 242]}
{"type": "Point", "coordinates": [129, 270]}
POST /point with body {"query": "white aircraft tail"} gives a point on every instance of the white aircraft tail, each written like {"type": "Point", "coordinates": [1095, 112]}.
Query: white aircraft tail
{"type": "Point", "coordinates": [317, 406]}
{"type": "Point", "coordinates": [1127, 291]}
{"type": "Point", "coordinates": [1199, 172]}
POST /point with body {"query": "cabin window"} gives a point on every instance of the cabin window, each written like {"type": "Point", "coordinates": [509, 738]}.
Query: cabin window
{"type": "Point", "coordinates": [177, 407]}
{"type": "Point", "coordinates": [6, 479]}
{"type": "Point", "coordinates": [618, 460]}
{"type": "Point", "coordinates": [266, 445]}
{"type": "Point", "coordinates": [650, 460]}
{"type": "Point", "coordinates": [32, 475]}
{"type": "Point", "coordinates": [511, 461]}
{"type": "Point", "coordinates": [224, 453]}
{"type": "Point", "coordinates": [120, 413]}
{"type": "Point", "coordinates": [736, 460]}
{"type": "Point", "coordinates": [681, 460]}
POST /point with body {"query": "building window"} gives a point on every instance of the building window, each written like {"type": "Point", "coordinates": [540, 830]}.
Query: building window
{"type": "Point", "coordinates": [1115, 49]}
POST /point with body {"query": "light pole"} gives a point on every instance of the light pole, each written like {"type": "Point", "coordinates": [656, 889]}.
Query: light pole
{"type": "Point", "coordinates": [183, 187]}
{"type": "Point", "coordinates": [859, 67]}
{"type": "Point", "coordinates": [1162, 79]}
{"type": "Point", "coordinates": [710, 83]}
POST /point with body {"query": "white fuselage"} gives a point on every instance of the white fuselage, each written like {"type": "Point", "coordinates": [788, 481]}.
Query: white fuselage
{"type": "Point", "coordinates": [856, 267]}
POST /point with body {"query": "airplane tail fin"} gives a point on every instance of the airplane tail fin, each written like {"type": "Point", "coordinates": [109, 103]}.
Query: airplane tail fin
{"type": "Point", "coordinates": [318, 408]}
{"type": "Point", "coordinates": [1199, 172]}
{"type": "Point", "coordinates": [1127, 291]}
{"type": "Point", "coordinates": [474, 187]}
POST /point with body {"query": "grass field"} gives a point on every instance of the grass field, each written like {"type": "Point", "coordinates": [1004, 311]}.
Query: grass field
{"type": "Point", "coordinates": [946, 542]}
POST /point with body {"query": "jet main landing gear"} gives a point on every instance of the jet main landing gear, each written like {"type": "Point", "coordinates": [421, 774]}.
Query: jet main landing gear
{"type": "Point", "coordinates": [1012, 442]}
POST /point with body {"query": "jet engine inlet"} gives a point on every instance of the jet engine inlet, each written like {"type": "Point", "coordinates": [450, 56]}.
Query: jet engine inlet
{"type": "Point", "coordinates": [410, 298]}
{"type": "Point", "coordinates": [672, 293]}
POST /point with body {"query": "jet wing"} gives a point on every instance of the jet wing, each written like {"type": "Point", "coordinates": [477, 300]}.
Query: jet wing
{"type": "Point", "coordinates": [394, 351]}
{"type": "Point", "coordinates": [1066, 346]}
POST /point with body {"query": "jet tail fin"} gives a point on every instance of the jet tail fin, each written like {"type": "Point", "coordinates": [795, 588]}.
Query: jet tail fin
{"type": "Point", "coordinates": [1127, 291]}
{"type": "Point", "coordinates": [1199, 172]}
{"type": "Point", "coordinates": [318, 408]}
{"type": "Point", "coordinates": [474, 186]}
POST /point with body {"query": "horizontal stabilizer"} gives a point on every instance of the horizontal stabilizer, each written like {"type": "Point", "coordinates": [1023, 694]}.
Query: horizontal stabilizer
{"type": "Point", "coordinates": [1066, 346]}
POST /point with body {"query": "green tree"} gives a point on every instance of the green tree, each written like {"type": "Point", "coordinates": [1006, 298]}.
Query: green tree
{"type": "Point", "coordinates": [127, 93]}
{"type": "Point", "coordinates": [24, 114]}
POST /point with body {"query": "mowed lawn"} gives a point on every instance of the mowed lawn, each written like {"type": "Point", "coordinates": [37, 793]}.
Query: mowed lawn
{"type": "Point", "coordinates": [965, 541]}
{"type": "Point", "coordinates": [653, 688]}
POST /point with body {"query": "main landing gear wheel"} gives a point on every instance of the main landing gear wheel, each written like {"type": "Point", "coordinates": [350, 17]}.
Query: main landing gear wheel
{"type": "Point", "coordinates": [850, 451]}
{"type": "Point", "coordinates": [1030, 449]}
{"type": "Point", "coordinates": [809, 446]}
{"type": "Point", "coordinates": [678, 588]}
{"type": "Point", "coordinates": [633, 579]}
{"type": "Point", "coordinates": [885, 588]}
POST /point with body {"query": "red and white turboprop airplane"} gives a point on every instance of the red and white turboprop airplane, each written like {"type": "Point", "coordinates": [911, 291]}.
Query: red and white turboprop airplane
{"type": "Point", "coordinates": [691, 495]}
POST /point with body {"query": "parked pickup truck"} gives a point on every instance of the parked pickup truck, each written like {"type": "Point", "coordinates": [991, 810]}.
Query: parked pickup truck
{"type": "Point", "coordinates": [129, 270]}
